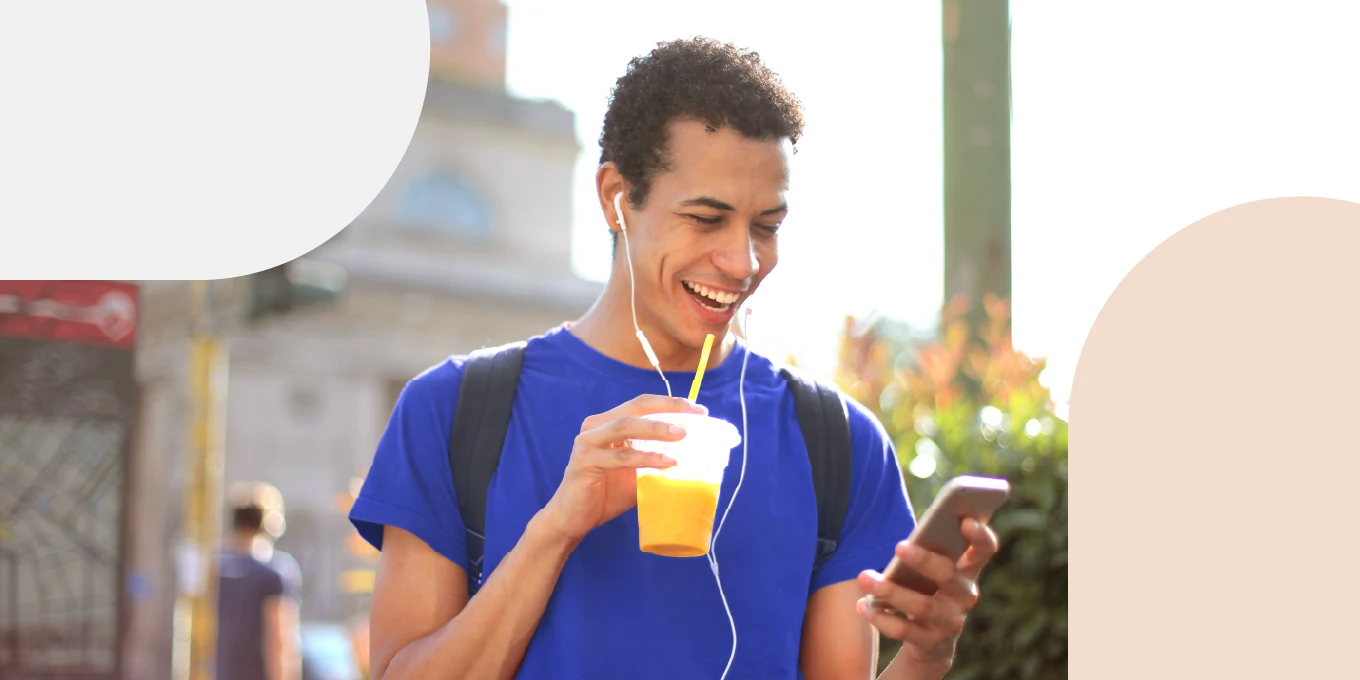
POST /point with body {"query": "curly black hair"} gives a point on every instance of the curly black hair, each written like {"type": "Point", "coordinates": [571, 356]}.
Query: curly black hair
{"type": "Point", "coordinates": [696, 79]}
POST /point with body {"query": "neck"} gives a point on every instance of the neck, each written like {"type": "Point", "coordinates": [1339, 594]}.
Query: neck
{"type": "Point", "coordinates": [241, 541]}
{"type": "Point", "coordinates": [608, 329]}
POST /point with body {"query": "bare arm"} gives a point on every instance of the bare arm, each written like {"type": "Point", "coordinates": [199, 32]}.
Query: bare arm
{"type": "Point", "coordinates": [423, 625]}
{"type": "Point", "coordinates": [838, 644]}
{"type": "Point", "coordinates": [273, 652]}
{"type": "Point", "coordinates": [281, 654]}
{"type": "Point", "coordinates": [290, 639]}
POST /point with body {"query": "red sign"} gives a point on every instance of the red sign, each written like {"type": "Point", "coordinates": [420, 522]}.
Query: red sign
{"type": "Point", "coordinates": [100, 313]}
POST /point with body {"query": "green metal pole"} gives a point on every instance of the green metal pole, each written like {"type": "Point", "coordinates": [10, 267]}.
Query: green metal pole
{"type": "Point", "coordinates": [977, 144]}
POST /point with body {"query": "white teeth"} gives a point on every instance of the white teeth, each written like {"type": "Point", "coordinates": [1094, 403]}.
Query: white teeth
{"type": "Point", "coordinates": [721, 298]}
{"type": "Point", "coordinates": [716, 307]}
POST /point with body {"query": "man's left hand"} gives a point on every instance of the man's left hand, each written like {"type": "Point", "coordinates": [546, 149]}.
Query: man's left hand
{"type": "Point", "coordinates": [929, 625]}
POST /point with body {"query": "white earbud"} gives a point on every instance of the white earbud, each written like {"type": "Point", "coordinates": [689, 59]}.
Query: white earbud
{"type": "Point", "coordinates": [618, 211]}
{"type": "Point", "coordinates": [632, 293]}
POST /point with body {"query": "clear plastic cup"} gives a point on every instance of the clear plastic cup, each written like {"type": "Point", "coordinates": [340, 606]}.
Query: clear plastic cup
{"type": "Point", "coordinates": [676, 505]}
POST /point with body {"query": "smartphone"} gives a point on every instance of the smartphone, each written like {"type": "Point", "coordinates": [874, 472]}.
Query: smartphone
{"type": "Point", "coordinates": [940, 529]}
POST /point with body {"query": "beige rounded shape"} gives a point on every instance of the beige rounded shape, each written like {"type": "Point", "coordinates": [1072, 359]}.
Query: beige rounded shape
{"type": "Point", "coordinates": [1215, 463]}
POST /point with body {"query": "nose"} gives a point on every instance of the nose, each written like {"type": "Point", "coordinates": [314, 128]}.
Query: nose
{"type": "Point", "coordinates": [736, 254]}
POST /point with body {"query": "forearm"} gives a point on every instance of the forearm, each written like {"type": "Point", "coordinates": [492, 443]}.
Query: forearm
{"type": "Point", "coordinates": [276, 640]}
{"type": "Point", "coordinates": [273, 663]}
{"type": "Point", "coordinates": [903, 668]}
{"type": "Point", "coordinates": [290, 642]}
{"type": "Point", "coordinates": [489, 637]}
{"type": "Point", "coordinates": [291, 661]}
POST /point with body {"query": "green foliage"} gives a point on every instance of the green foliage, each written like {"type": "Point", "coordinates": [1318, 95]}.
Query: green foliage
{"type": "Point", "coordinates": [968, 403]}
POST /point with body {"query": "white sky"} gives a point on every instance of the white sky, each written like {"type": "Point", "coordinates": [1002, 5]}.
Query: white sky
{"type": "Point", "coordinates": [1130, 123]}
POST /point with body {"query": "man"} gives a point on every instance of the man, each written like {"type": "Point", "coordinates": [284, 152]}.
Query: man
{"type": "Point", "coordinates": [258, 633]}
{"type": "Point", "coordinates": [697, 138]}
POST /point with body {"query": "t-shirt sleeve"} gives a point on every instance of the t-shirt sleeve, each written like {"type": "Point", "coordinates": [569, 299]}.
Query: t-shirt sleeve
{"type": "Point", "coordinates": [880, 514]}
{"type": "Point", "coordinates": [291, 574]}
{"type": "Point", "coordinates": [409, 484]}
{"type": "Point", "coordinates": [272, 583]}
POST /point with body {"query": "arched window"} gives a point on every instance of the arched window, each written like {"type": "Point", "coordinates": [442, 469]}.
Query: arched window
{"type": "Point", "coordinates": [443, 201]}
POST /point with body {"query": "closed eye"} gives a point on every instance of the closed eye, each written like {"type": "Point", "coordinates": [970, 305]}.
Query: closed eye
{"type": "Point", "coordinates": [704, 220]}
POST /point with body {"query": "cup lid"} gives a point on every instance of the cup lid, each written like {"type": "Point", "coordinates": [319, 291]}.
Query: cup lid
{"type": "Point", "coordinates": [702, 433]}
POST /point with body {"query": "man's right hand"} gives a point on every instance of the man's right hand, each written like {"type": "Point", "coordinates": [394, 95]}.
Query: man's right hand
{"type": "Point", "coordinates": [600, 482]}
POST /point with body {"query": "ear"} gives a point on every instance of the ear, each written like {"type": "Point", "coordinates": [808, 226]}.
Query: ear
{"type": "Point", "coordinates": [608, 184]}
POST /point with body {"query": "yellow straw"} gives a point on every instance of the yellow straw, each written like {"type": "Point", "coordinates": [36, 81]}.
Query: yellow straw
{"type": "Point", "coordinates": [703, 361]}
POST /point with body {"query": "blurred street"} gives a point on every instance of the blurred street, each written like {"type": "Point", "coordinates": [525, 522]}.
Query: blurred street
{"type": "Point", "coordinates": [128, 410]}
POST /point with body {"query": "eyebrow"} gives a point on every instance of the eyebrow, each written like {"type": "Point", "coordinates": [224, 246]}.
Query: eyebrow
{"type": "Point", "coordinates": [710, 202]}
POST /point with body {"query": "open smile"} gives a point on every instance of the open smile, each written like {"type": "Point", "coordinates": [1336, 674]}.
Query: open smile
{"type": "Point", "coordinates": [712, 300]}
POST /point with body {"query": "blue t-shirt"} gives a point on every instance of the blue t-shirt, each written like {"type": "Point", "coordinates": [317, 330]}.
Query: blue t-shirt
{"type": "Point", "coordinates": [618, 612]}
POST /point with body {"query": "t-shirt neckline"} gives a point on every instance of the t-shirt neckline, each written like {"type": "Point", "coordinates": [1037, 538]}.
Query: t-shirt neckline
{"type": "Point", "coordinates": [578, 350]}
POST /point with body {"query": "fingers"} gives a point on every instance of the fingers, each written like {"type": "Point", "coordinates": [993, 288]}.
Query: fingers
{"type": "Point", "coordinates": [934, 566]}
{"type": "Point", "coordinates": [930, 623]}
{"type": "Point", "coordinates": [646, 404]}
{"type": "Point", "coordinates": [603, 441]}
{"type": "Point", "coordinates": [620, 457]}
{"type": "Point", "coordinates": [983, 545]}
{"type": "Point", "coordinates": [909, 631]}
{"type": "Point", "coordinates": [948, 580]}
{"type": "Point", "coordinates": [606, 446]}
{"type": "Point", "coordinates": [895, 597]}
{"type": "Point", "coordinates": [642, 405]}
{"type": "Point", "coordinates": [621, 430]}
{"type": "Point", "coordinates": [889, 624]}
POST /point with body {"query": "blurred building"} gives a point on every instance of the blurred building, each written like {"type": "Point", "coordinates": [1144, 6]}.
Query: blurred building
{"type": "Point", "coordinates": [468, 245]}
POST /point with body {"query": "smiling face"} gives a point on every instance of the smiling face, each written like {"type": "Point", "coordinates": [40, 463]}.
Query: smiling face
{"type": "Point", "coordinates": [707, 234]}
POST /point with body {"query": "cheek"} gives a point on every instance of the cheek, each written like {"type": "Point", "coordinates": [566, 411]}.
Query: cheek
{"type": "Point", "coordinates": [675, 249]}
{"type": "Point", "coordinates": [651, 254]}
{"type": "Point", "coordinates": [657, 270]}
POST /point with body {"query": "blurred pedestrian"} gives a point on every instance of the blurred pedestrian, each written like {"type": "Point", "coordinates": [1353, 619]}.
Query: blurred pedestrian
{"type": "Point", "coordinates": [258, 631]}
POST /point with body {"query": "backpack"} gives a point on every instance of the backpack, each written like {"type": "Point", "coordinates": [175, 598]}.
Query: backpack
{"type": "Point", "coordinates": [482, 414]}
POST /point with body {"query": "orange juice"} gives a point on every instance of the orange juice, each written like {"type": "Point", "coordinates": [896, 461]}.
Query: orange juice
{"type": "Point", "coordinates": [675, 516]}
{"type": "Point", "coordinates": [676, 505]}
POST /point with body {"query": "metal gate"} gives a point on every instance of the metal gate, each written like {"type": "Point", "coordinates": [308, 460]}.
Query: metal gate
{"type": "Point", "coordinates": [67, 389]}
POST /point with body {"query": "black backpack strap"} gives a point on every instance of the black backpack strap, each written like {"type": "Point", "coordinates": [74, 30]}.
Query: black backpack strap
{"type": "Point", "coordinates": [481, 417]}
{"type": "Point", "coordinates": [824, 420]}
